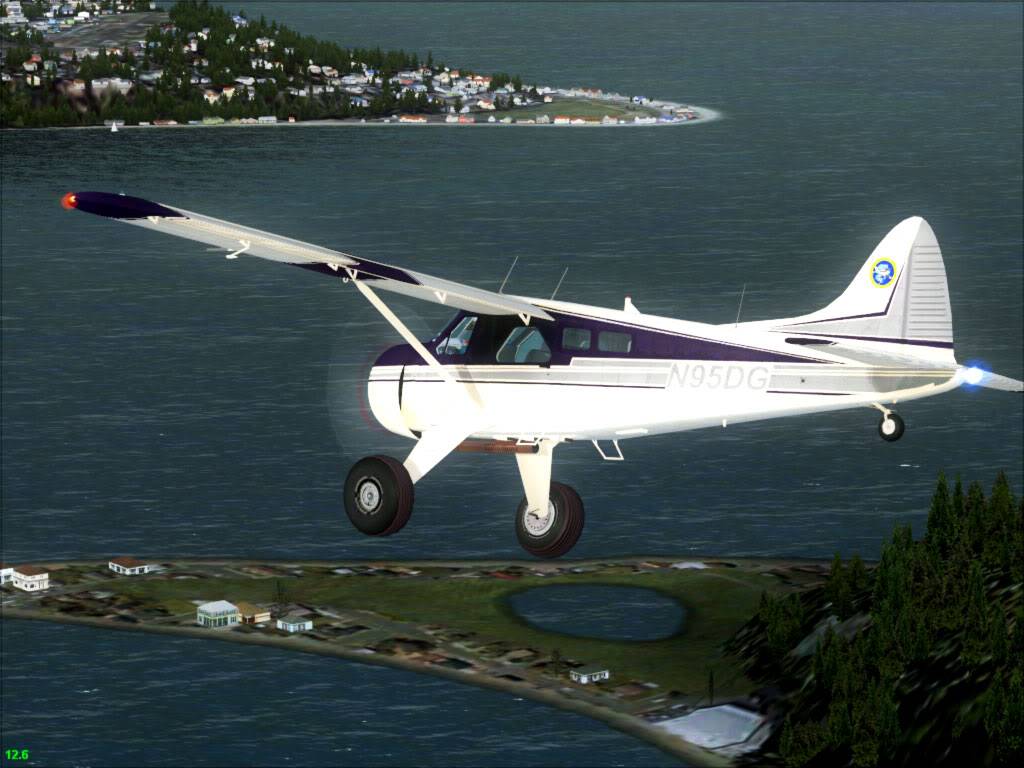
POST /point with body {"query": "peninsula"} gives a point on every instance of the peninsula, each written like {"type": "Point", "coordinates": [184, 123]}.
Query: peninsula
{"type": "Point", "coordinates": [120, 62]}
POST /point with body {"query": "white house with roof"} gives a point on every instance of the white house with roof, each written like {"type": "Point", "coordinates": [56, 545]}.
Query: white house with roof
{"type": "Point", "coordinates": [219, 613]}
{"type": "Point", "coordinates": [293, 623]}
{"type": "Point", "coordinates": [129, 566]}
{"type": "Point", "coordinates": [6, 574]}
{"type": "Point", "coordinates": [589, 674]}
{"type": "Point", "coordinates": [30, 578]}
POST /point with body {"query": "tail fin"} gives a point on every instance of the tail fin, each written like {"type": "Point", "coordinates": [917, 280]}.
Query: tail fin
{"type": "Point", "coordinates": [899, 295]}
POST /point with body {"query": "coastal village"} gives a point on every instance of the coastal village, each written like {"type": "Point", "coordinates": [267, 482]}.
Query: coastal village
{"type": "Point", "coordinates": [262, 602]}
{"type": "Point", "coordinates": [204, 66]}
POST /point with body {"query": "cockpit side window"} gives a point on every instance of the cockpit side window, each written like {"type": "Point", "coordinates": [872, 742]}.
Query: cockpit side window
{"type": "Point", "coordinates": [524, 345]}
{"type": "Point", "coordinates": [612, 341]}
{"type": "Point", "coordinates": [576, 339]}
{"type": "Point", "coordinates": [457, 342]}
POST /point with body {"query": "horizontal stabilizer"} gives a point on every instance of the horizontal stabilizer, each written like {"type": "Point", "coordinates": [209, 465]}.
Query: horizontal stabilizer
{"type": "Point", "coordinates": [981, 378]}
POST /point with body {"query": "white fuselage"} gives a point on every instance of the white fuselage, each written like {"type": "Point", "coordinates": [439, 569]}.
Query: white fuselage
{"type": "Point", "coordinates": [581, 395]}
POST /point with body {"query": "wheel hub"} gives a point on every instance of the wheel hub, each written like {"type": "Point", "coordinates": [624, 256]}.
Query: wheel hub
{"type": "Point", "coordinates": [368, 495]}
{"type": "Point", "coordinates": [536, 525]}
{"type": "Point", "coordinates": [888, 426]}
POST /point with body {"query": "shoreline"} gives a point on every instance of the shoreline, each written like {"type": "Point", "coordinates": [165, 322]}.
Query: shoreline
{"type": "Point", "coordinates": [628, 724]}
{"type": "Point", "coordinates": [732, 580]}
{"type": "Point", "coordinates": [705, 115]}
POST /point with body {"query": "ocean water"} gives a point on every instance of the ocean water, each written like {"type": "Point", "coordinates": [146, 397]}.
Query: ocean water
{"type": "Point", "coordinates": [159, 399]}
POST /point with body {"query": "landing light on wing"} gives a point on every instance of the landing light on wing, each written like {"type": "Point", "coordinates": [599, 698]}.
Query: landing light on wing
{"type": "Point", "coordinates": [69, 201]}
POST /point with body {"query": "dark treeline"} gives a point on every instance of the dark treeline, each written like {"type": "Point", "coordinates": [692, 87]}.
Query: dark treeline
{"type": "Point", "coordinates": [923, 660]}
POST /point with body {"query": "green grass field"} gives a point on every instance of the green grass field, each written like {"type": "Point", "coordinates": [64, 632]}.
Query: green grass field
{"type": "Point", "coordinates": [717, 602]}
{"type": "Point", "coordinates": [586, 108]}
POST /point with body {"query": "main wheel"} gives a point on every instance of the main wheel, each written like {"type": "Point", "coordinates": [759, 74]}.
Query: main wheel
{"type": "Point", "coordinates": [378, 496]}
{"type": "Point", "coordinates": [891, 427]}
{"type": "Point", "coordinates": [556, 534]}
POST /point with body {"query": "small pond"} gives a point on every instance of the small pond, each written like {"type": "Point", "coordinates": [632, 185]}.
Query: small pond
{"type": "Point", "coordinates": [604, 612]}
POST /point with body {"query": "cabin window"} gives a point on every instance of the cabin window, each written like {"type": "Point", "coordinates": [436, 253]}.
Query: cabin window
{"type": "Point", "coordinates": [458, 340]}
{"type": "Point", "coordinates": [524, 345]}
{"type": "Point", "coordinates": [576, 339]}
{"type": "Point", "coordinates": [610, 341]}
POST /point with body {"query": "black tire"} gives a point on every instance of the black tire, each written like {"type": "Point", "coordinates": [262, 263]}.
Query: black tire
{"type": "Point", "coordinates": [564, 530]}
{"type": "Point", "coordinates": [378, 496]}
{"type": "Point", "coordinates": [894, 431]}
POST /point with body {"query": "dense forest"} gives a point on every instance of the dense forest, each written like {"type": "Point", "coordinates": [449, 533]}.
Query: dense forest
{"type": "Point", "coordinates": [917, 661]}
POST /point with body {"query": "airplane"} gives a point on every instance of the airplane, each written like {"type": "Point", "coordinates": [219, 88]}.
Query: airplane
{"type": "Point", "coordinates": [519, 375]}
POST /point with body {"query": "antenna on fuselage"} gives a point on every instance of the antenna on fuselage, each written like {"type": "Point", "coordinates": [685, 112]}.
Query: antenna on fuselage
{"type": "Point", "coordinates": [740, 308]}
{"type": "Point", "coordinates": [508, 274]}
{"type": "Point", "coordinates": [564, 273]}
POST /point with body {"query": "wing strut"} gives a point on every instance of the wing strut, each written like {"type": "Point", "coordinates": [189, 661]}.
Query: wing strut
{"type": "Point", "coordinates": [399, 326]}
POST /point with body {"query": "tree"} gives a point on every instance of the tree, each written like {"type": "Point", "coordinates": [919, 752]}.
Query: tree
{"type": "Point", "coordinates": [939, 516]}
{"type": "Point", "coordinates": [557, 663]}
{"type": "Point", "coordinates": [837, 590]}
{"type": "Point", "coordinates": [976, 616]}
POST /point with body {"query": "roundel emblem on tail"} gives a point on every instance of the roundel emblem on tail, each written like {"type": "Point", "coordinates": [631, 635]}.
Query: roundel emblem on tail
{"type": "Point", "coordinates": [883, 272]}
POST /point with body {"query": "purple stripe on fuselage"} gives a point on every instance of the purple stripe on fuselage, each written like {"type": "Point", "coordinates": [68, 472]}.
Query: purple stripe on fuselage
{"type": "Point", "coordinates": [646, 343]}
{"type": "Point", "coordinates": [121, 206]}
{"type": "Point", "coordinates": [658, 344]}
{"type": "Point", "coordinates": [912, 342]}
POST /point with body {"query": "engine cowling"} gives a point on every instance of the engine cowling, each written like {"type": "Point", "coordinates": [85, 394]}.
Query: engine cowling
{"type": "Point", "coordinates": [384, 388]}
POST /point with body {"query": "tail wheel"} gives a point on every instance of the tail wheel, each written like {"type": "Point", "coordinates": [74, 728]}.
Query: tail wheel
{"type": "Point", "coordinates": [558, 532]}
{"type": "Point", "coordinates": [378, 496]}
{"type": "Point", "coordinates": [891, 427]}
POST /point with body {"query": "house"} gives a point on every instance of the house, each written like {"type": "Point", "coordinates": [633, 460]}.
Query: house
{"type": "Point", "coordinates": [129, 566]}
{"type": "Point", "coordinates": [485, 104]}
{"type": "Point", "coordinates": [212, 97]}
{"type": "Point", "coordinates": [451, 118]}
{"type": "Point", "coordinates": [293, 623]}
{"type": "Point", "coordinates": [30, 578]}
{"type": "Point", "coordinates": [562, 120]}
{"type": "Point", "coordinates": [412, 119]}
{"type": "Point", "coordinates": [267, 119]}
{"type": "Point", "coordinates": [543, 119]}
{"type": "Point", "coordinates": [6, 574]}
{"type": "Point", "coordinates": [252, 614]}
{"type": "Point", "coordinates": [219, 613]}
{"type": "Point", "coordinates": [466, 119]}
{"type": "Point", "coordinates": [589, 674]}
{"type": "Point", "coordinates": [228, 91]}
